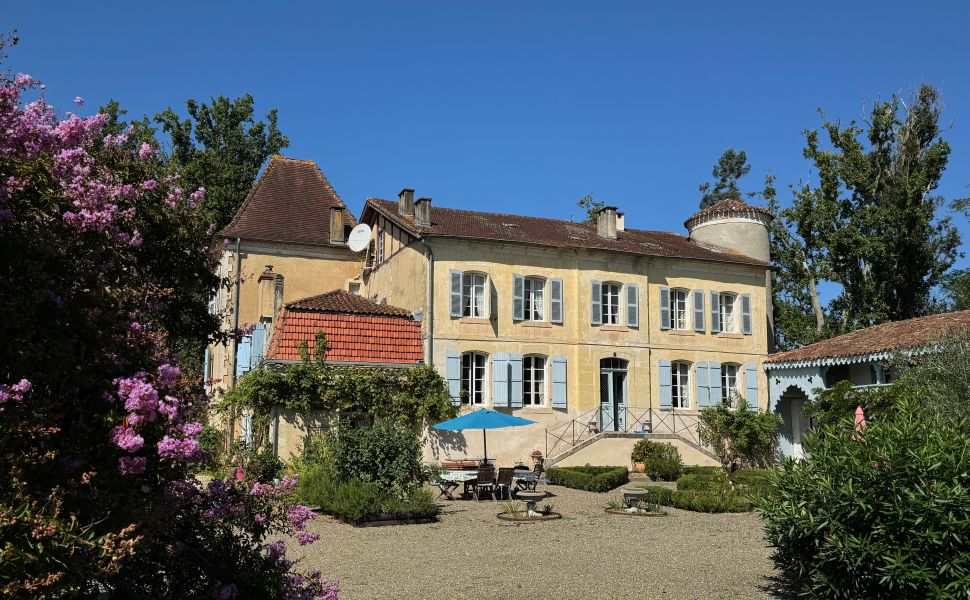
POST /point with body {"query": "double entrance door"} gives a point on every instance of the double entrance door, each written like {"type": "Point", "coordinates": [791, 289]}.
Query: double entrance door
{"type": "Point", "coordinates": [613, 394]}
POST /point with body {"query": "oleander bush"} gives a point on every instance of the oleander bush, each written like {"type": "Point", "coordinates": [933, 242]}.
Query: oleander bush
{"type": "Point", "coordinates": [590, 479]}
{"type": "Point", "coordinates": [355, 501]}
{"type": "Point", "coordinates": [884, 513]}
{"type": "Point", "coordinates": [661, 461]}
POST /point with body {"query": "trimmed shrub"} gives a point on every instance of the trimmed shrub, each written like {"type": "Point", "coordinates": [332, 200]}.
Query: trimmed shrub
{"type": "Point", "coordinates": [661, 461]}
{"type": "Point", "coordinates": [694, 470]}
{"type": "Point", "coordinates": [884, 514]}
{"type": "Point", "coordinates": [705, 482]}
{"type": "Point", "coordinates": [697, 500]}
{"type": "Point", "coordinates": [590, 479]}
{"type": "Point", "coordinates": [659, 495]}
{"type": "Point", "coordinates": [753, 484]}
{"type": "Point", "coordinates": [355, 501]}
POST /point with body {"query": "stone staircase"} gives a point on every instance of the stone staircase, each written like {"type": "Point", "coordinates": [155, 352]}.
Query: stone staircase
{"type": "Point", "coordinates": [614, 447]}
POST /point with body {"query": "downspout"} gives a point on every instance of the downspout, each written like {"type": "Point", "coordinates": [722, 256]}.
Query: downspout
{"type": "Point", "coordinates": [429, 355]}
{"type": "Point", "coordinates": [235, 314]}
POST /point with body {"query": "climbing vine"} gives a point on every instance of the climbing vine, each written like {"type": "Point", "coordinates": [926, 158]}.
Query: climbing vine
{"type": "Point", "coordinates": [405, 396]}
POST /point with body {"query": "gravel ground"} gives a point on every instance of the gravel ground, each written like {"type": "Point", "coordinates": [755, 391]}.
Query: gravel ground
{"type": "Point", "coordinates": [586, 554]}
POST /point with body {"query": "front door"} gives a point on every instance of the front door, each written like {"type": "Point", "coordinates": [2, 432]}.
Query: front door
{"type": "Point", "coordinates": [612, 394]}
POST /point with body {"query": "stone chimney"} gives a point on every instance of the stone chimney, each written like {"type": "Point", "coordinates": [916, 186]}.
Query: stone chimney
{"type": "Point", "coordinates": [606, 222]}
{"type": "Point", "coordinates": [337, 225]}
{"type": "Point", "coordinates": [422, 212]}
{"type": "Point", "coordinates": [267, 280]}
{"type": "Point", "coordinates": [619, 221]}
{"type": "Point", "coordinates": [405, 202]}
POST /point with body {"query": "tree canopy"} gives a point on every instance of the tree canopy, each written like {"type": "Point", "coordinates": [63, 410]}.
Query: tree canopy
{"type": "Point", "coordinates": [731, 167]}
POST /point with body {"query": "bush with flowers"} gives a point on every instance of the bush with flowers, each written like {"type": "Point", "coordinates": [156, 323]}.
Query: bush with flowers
{"type": "Point", "coordinates": [98, 268]}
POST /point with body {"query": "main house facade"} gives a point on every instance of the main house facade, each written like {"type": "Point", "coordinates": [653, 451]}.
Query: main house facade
{"type": "Point", "coordinates": [595, 331]}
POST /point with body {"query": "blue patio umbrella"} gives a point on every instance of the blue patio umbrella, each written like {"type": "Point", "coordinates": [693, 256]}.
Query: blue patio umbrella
{"type": "Point", "coordinates": [482, 419]}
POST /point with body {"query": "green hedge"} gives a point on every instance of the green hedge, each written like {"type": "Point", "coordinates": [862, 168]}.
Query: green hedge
{"type": "Point", "coordinates": [697, 500]}
{"type": "Point", "coordinates": [705, 482]}
{"type": "Point", "coordinates": [661, 461]}
{"type": "Point", "coordinates": [590, 479]}
{"type": "Point", "coordinates": [698, 470]}
{"type": "Point", "coordinates": [355, 501]}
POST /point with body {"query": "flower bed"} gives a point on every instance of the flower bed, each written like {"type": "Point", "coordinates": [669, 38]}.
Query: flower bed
{"type": "Point", "coordinates": [590, 479]}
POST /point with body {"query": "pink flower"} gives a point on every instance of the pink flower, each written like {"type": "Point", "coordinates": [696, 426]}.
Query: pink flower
{"type": "Point", "coordinates": [167, 375]}
{"type": "Point", "coordinates": [126, 439]}
{"type": "Point", "coordinates": [297, 515]}
{"type": "Point", "coordinates": [146, 151]}
{"type": "Point", "coordinates": [178, 450]}
{"type": "Point", "coordinates": [132, 465]}
{"type": "Point", "coordinates": [149, 184]}
{"type": "Point", "coordinates": [15, 392]}
{"type": "Point", "coordinates": [307, 538]}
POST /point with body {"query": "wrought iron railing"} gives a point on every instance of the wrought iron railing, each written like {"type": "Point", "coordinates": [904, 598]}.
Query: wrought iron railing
{"type": "Point", "coordinates": [587, 425]}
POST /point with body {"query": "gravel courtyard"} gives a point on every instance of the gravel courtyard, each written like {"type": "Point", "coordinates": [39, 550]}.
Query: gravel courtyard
{"type": "Point", "coordinates": [586, 554]}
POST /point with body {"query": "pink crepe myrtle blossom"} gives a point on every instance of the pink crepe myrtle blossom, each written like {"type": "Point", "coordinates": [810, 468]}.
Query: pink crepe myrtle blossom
{"type": "Point", "coordinates": [146, 151]}
{"type": "Point", "coordinates": [132, 465]}
{"type": "Point", "coordinates": [126, 439]}
{"type": "Point", "coordinates": [168, 374]}
{"type": "Point", "coordinates": [178, 450]}
{"type": "Point", "coordinates": [15, 392]}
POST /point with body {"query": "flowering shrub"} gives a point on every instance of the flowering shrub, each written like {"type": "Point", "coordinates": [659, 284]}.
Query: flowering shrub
{"type": "Point", "coordinates": [100, 426]}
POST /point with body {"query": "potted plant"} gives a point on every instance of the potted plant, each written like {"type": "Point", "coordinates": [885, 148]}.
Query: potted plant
{"type": "Point", "coordinates": [536, 457]}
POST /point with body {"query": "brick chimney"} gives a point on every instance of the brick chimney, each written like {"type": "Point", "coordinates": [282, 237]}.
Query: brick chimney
{"type": "Point", "coordinates": [337, 225]}
{"type": "Point", "coordinates": [606, 222]}
{"type": "Point", "coordinates": [422, 212]}
{"type": "Point", "coordinates": [405, 202]}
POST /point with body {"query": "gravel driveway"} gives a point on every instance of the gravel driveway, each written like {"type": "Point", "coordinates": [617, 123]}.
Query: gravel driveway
{"type": "Point", "coordinates": [586, 554]}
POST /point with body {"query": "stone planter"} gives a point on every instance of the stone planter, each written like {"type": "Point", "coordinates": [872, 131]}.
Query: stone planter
{"type": "Point", "coordinates": [635, 513]}
{"type": "Point", "coordinates": [523, 518]}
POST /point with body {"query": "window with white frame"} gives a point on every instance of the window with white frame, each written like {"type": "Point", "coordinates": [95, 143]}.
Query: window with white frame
{"type": "Point", "coordinates": [473, 378]}
{"type": "Point", "coordinates": [533, 381]}
{"type": "Point", "coordinates": [380, 245]}
{"type": "Point", "coordinates": [534, 297]}
{"type": "Point", "coordinates": [678, 309]}
{"type": "Point", "coordinates": [473, 295]}
{"type": "Point", "coordinates": [680, 385]}
{"type": "Point", "coordinates": [729, 382]}
{"type": "Point", "coordinates": [729, 313]}
{"type": "Point", "coordinates": [610, 298]}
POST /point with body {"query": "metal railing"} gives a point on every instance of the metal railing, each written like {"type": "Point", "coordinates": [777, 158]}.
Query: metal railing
{"type": "Point", "coordinates": [587, 425]}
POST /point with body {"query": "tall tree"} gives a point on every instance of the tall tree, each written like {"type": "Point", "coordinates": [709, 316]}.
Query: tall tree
{"type": "Point", "coordinates": [732, 166]}
{"type": "Point", "coordinates": [220, 147]}
{"type": "Point", "coordinates": [869, 222]}
{"type": "Point", "coordinates": [591, 206]}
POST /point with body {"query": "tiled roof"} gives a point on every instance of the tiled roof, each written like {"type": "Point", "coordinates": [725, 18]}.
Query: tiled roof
{"type": "Point", "coordinates": [727, 208]}
{"type": "Point", "coordinates": [468, 224]}
{"type": "Point", "coordinates": [887, 337]}
{"type": "Point", "coordinates": [290, 202]}
{"type": "Point", "coordinates": [351, 337]}
{"type": "Point", "coordinates": [341, 301]}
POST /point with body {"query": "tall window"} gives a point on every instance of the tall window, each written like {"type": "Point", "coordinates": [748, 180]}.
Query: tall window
{"type": "Point", "coordinates": [473, 378]}
{"type": "Point", "coordinates": [380, 245]}
{"type": "Point", "coordinates": [729, 313]}
{"type": "Point", "coordinates": [533, 381]}
{"type": "Point", "coordinates": [534, 299]}
{"type": "Point", "coordinates": [473, 295]}
{"type": "Point", "coordinates": [680, 385]}
{"type": "Point", "coordinates": [678, 309]}
{"type": "Point", "coordinates": [729, 382]}
{"type": "Point", "coordinates": [610, 296]}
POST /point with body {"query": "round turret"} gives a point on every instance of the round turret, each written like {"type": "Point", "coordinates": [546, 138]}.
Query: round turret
{"type": "Point", "coordinates": [734, 226]}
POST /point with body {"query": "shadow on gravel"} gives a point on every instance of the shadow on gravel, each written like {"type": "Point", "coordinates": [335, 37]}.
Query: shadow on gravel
{"type": "Point", "coordinates": [779, 586]}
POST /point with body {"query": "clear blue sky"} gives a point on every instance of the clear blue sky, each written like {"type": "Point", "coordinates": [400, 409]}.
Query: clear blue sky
{"type": "Point", "coordinates": [518, 107]}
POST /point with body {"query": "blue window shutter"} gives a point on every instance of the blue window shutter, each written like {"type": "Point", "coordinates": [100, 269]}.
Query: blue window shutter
{"type": "Point", "coordinates": [259, 342]}
{"type": "Point", "coordinates": [715, 311]}
{"type": "Point", "coordinates": [715, 374]}
{"type": "Point", "coordinates": [206, 366]}
{"type": "Point", "coordinates": [664, 308]}
{"type": "Point", "coordinates": [518, 297]}
{"type": "Point", "coordinates": [746, 314]}
{"type": "Point", "coordinates": [632, 305]}
{"type": "Point", "coordinates": [559, 382]}
{"type": "Point", "coordinates": [666, 400]}
{"type": "Point", "coordinates": [555, 300]}
{"type": "Point", "coordinates": [699, 311]}
{"type": "Point", "coordinates": [455, 277]}
{"type": "Point", "coordinates": [243, 352]}
{"type": "Point", "coordinates": [596, 303]}
{"type": "Point", "coordinates": [453, 375]}
{"type": "Point", "coordinates": [500, 379]}
{"type": "Point", "coordinates": [703, 385]}
{"type": "Point", "coordinates": [751, 385]}
{"type": "Point", "coordinates": [515, 379]}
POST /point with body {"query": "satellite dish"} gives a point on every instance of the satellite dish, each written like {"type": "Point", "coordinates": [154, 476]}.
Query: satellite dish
{"type": "Point", "coordinates": [359, 238]}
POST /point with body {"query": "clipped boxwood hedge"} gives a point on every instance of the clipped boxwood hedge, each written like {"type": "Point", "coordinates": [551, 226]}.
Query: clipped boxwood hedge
{"type": "Point", "coordinates": [704, 482]}
{"type": "Point", "coordinates": [711, 501]}
{"type": "Point", "coordinates": [590, 479]}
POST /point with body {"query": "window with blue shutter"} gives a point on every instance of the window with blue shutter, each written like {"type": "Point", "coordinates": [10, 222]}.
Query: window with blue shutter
{"type": "Point", "coordinates": [665, 384]}
{"type": "Point", "coordinates": [632, 305]}
{"type": "Point", "coordinates": [515, 379]}
{"type": "Point", "coordinates": [555, 300]}
{"type": "Point", "coordinates": [703, 385]}
{"type": "Point", "coordinates": [699, 311]}
{"type": "Point", "coordinates": [455, 277]}
{"type": "Point", "coordinates": [259, 342]}
{"type": "Point", "coordinates": [559, 382]}
{"type": "Point", "coordinates": [500, 379]}
{"type": "Point", "coordinates": [751, 385]}
{"type": "Point", "coordinates": [207, 367]}
{"type": "Point", "coordinates": [746, 314]}
{"type": "Point", "coordinates": [453, 375]}
{"type": "Point", "coordinates": [715, 311]}
{"type": "Point", "coordinates": [715, 374]}
{"type": "Point", "coordinates": [664, 308]}
{"type": "Point", "coordinates": [243, 353]}
{"type": "Point", "coordinates": [596, 303]}
{"type": "Point", "coordinates": [518, 297]}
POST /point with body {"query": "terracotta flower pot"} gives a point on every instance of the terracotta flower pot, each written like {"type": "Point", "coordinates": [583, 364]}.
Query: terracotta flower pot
{"type": "Point", "coordinates": [639, 467]}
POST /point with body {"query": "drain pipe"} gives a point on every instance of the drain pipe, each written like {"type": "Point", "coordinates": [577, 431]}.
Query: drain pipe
{"type": "Point", "coordinates": [429, 356]}
{"type": "Point", "coordinates": [235, 315]}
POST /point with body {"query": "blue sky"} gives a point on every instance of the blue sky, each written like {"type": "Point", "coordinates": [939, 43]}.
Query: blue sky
{"type": "Point", "coordinates": [518, 107]}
